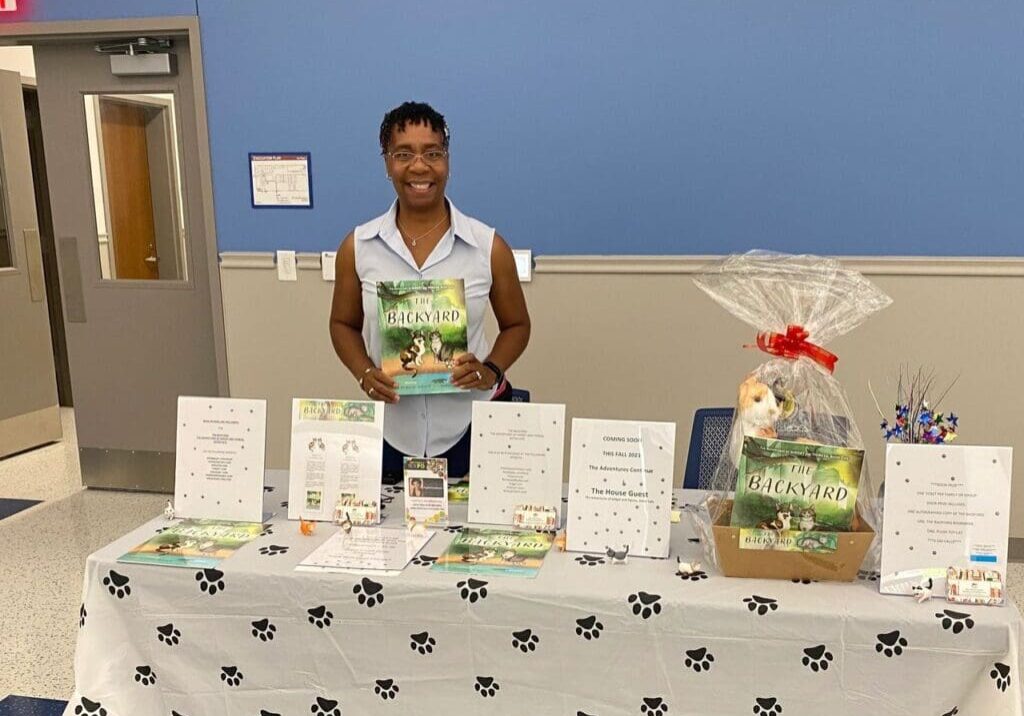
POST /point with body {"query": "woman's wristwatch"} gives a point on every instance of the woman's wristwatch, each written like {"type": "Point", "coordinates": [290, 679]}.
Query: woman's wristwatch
{"type": "Point", "coordinates": [499, 375]}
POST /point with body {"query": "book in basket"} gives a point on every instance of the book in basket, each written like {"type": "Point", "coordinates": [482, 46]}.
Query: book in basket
{"type": "Point", "coordinates": [423, 329]}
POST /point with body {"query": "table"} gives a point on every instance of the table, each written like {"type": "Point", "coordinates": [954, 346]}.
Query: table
{"type": "Point", "coordinates": [585, 638]}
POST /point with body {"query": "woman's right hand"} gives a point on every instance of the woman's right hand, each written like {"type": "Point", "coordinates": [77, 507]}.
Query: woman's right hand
{"type": "Point", "coordinates": [378, 385]}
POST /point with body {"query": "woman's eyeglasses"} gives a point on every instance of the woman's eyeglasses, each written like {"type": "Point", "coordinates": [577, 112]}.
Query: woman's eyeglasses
{"type": "Point", "coordinates": [431, 156]}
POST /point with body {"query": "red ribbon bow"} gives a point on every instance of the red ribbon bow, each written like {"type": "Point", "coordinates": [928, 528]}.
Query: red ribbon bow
{"type": "Point", "coordinates": [794, 344]}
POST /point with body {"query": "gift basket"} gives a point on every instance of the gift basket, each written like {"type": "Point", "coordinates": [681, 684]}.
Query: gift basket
{"type": "Point", "coordinates": [791, 497]}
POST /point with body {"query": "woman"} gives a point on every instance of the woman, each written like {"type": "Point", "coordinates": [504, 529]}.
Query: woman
{"type": "Point", "coordinates": [423, 236]}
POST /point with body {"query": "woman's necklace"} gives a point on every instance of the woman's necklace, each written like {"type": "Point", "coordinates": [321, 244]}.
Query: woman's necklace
{"type": "Point", "coordinates": [426, 233]}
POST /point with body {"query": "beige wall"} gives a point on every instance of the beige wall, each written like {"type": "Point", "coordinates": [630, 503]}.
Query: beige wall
{"type": "Point", "coordinates": [621, 337]}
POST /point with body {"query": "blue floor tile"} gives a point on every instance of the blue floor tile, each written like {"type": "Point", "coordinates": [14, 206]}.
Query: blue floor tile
{"type": "Point", "coordinates": [9, 507]}
{"type": "Point", "coordinates": [24, 706]}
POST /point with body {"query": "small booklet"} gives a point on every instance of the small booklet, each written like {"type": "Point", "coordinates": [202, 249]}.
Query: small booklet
{"type": "Point", "coordinates": [496, 552]}
{"type": "Point", "coordinates": [426, 490]}
{"type": "Point", "coordinates": [423, 329]}
{"type": "Point", "coordinates": [794, 496]}
{"type": "Point", "coordinates": [197, 544]}
{"type": "Point", "coordinates": [384, 549]}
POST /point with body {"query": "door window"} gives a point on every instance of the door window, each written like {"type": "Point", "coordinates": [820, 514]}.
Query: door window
{"type": "Point", "coordinates": [6, 248]}
{"type": "Point", "coordinates": [137, 191]}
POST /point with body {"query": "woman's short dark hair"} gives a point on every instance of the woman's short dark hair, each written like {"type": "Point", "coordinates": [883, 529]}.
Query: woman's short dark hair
{"type": "Point", "coordinates": [412, 113]}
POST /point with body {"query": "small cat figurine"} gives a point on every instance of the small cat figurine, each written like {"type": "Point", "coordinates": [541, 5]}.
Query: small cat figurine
{"type": "Point", "coordinates": [443, 352]}
{"type": "Point", "coordinates": [807, 519]}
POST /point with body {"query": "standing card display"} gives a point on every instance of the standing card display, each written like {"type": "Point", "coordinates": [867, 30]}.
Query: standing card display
{"type": "Point", "coordinates": [945, 506]}
{"type": "Point", "coordinates": [218, 469]}
{"type": "Point", "coordinates": [515, 460]}
{"type": "Point", "coordinates": [336, 454]}
{"type": "Point", "coordinates": [620, 486]}
{"type": "Point", "coordinates": [426, 490]}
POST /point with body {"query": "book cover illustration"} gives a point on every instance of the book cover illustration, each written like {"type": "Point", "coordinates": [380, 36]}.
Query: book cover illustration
{"type": "Point", "coordinates": [495, 552]}
{"type": "Point", "coordinates": [196, 544]}
{"type": "Point", "coordinates": [794, 496]}
{"type": "Point", "coordinates": [423, 330]}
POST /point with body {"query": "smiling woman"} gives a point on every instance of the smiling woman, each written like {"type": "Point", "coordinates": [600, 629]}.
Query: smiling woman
{"type": "Point", "coordinates": [423, 236]}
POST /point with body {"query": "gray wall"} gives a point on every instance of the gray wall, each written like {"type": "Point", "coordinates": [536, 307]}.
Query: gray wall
{"type": "Point", "coordinates": [629, 337]}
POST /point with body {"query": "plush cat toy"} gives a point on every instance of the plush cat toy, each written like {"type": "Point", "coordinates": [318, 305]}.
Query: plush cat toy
{"type": "Point", "coordinates": [757, 411]}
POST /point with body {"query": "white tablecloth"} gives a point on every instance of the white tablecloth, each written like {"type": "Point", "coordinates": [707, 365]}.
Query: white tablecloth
{"type": "Point", "coordinates": [585, 638]}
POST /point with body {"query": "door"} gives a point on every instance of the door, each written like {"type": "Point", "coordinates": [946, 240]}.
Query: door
{"type": "Point", "coordinates": [122, 154]}
{"type": "Point", "coordinates": [29, 414]}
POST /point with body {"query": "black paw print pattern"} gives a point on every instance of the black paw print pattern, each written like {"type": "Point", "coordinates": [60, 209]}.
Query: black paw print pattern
{"type": "Point", "coordinates": [525, 640]}
{"type": "Point", "coordinates": [472, 590]}
{"type": "Point", "coordinates": [210, 581]}
{"type": "Point", "coordinates": [692, 576]}
{"type": "Point", "coordinates": [1001, 675]}
{"type": "Point", "coordinates": [768, 706]}
{"type": "Point", "coordinates": [145, 675]}
{"type": "Point", "coordinates": [82, 614]}
{"type": "Point", "coordinates": [168, 634]}
{"type": "Point", "coordinates": [955, 622]}
{"type": "Point", "coordinates": [320, 617]}
{"type": "Point", "coordinates": [868, 576]}
{"type": "Point", "coordinates": [486, 686]}
{"type": "Point", "coordinates": [817, 658]}
{"type": "Point", "coordinates": [803, 581]}
{"type": "Point", "coordinates": [952, 712]}
{"type": "Point", "coordinates": [453, 528]}
{"type": "Point", "coordinates": [86, 707]}
{"type": "Point", "coordinates": [263, 712]}
{"type": "Point", "coordinates": [422, 643]}
{"type": "Point", "coordinates": [284, 503]}
{"type": "Point", "coordinates": [386, 688]}
{"type": "Point", "coordinates": [117, 584]}
{"type": "Point", "coordinates": [653, 706]}
{"type": "Point", "coordinates": [699, 659]}
{"type": "Point", "coordinates": [268, 488]}
{"type": "Point", "coordinates": [589, 560]}
{"type": "Point", "coordinates": [325, 707]}
{"type": "Point", "coordinates": [273, 550]}
{"type": "Point", "coordinates": [589, 627]}
{"type": "Point", "coordinates": [645, 605]}
{"type": "Point", "coordinates": [760, 605]}
{"type": "Point", "coordinates": [230, 675]}
{"type": "Point", "coordinates": [891, 643]}
{"type": "Point", "coordinates": [369, 592]}
{"type": "Point", "coordinates": [263, 630]}
{"type": "Point", "coordinates": [267, 531]}
{"type": "Point", "coordinates": [422, 560]}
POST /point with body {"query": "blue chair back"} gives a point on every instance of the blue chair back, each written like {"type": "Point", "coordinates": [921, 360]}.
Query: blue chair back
{"type": "Point", "coordinates": [520, 396]}
{"type": "Point", "coordinates": [708, 439]}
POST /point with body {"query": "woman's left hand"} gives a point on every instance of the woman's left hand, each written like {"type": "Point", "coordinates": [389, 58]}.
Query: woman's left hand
{"type": "Point", "coordinates": [471, 373]}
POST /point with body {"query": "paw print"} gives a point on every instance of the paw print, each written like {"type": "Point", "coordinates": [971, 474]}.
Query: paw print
{"type": "Point", "coordinates": [320, 617]}
{"type": "Point", "coordinates": [767, 706]}
{"type": "Point", "coordinates": [452, 529]}
{"type": "Point", "coordinates": [422, 643]}
{"type": "Point", "coordinates": [653, 706]}
{"type": "Point", "coordinates": [369, 592]}
{"type": "Point", "coordinates": [168, 634]}
{"type": "Point", "coordinates": [117, 584]}
{"type": "Point", "coordinates": [760, 605]}
{"type": "Point", "coordinates": [230, 675]}
{"type": "Point", "coordinates": [263, 630]}
{"type": "Point", "coordinates": [589, 628]}
{"type": "Point", "coordinates": [263, 712]}
{"type": "Point", "coordinates": [268, 488]}
{"type": "Point", "coordinates": [817, 658]}
{"type": "Point", "coordinates": [422, 560]}
{"type": "Point", "coordinates": [955, 621]}
{"type": "Point", "coordinates": [692, 576]}
{"type": "Point", "coordinates": [145, 675]}
{"type": "Point", "coordinates": [386, 688]}
{"type": "Point", "coordinates": [699, 659]}
{"type": "Point", "coordinates": [284, 503]}
{"type": "Point", "coordinates": [804, 581]}
{"type": "Point", "coordinates": [525, 640]}
{"type": "Point", "coordinates": [953, 712]}
{"type": "Point", "coordinates": [865, 575]}
{"type": "Point", "coordinates": [273, 550]}
{"type": "Point", "coordinates": [472, 589]}
{"type": "Point", "coordinates": [645, 605]}
{"type": "Point", "coordinates": [210, 581]}
{"type": "Point", "coordinates": [486, 686]}
{"type": "Point", "coordinates": [325, 707]}
{"type": "Point", "coordinates": [589, 560]}
{"type": "Point", "coordinates": [90, 708]}
{"type": "Point", "coordinates": [891, 643]}
{"type": "Point", "coordinates": [82, 614]}
{"type": "Point", "coordinates": [267, 531]}
{"type": "Point", "coordinates": [1001, 675]}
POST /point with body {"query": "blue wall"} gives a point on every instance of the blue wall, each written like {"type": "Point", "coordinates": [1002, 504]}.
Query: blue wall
{"type": "Point", "coordinates": [667, 126]}
{"type": "Point", "coordinates": [47, 10]}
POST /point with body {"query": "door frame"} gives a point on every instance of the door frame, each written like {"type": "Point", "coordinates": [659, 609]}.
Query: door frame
{"type": "Point", "coordinates": [22, 33]}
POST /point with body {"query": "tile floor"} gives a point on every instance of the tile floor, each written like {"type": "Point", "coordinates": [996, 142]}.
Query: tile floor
{"type": "Point", "coordinates": [42, 558]}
